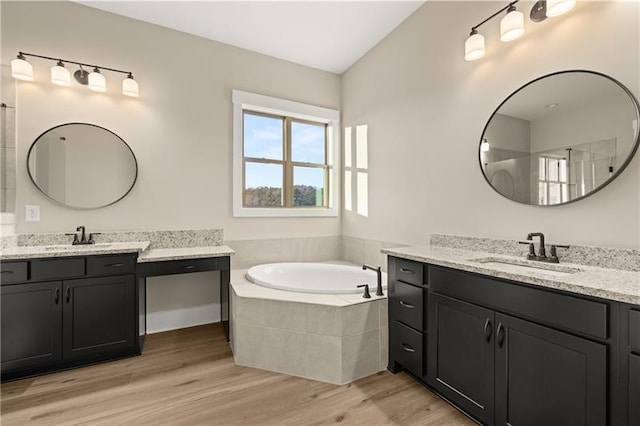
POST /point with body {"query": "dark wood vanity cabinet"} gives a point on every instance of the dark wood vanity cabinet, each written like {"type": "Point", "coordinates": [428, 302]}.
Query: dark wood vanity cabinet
{"type": "Point", "coordinates": [87, 314]}
{"type": "Point", "coordinates": [407, 324]}
{"type": "Point", "coordinates": [507, 353]}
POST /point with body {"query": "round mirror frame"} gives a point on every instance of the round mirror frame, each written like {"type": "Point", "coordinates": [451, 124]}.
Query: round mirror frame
{"type": "Point", "coordinates": [608, 181]}
{"type": "Point", "coordinates": [135, 162]}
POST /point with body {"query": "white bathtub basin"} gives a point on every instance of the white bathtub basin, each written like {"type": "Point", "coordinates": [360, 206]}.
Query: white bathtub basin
{"type": "Point", "coordinates": [313, 277]}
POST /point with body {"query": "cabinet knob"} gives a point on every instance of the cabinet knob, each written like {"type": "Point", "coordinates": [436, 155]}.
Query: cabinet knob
{"type": "Point", "coordinates": [56, 296]}
{"type": "Point", "coordinates": [487, 330]}
{"type": "Point", "coordinates": [407, 348]}
{"type": "Point", "coordinates": [68, 294]}
{"type": "Point", "coordinates": [500, 335]}
{"type": "Point", "coordinates": [406, 271]}
{"type": "Point", "coordinates": [406, 305]}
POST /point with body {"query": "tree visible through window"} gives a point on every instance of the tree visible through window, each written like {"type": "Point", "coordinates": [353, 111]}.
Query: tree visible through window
{"type": "Point", "coordinates": [284, 162]}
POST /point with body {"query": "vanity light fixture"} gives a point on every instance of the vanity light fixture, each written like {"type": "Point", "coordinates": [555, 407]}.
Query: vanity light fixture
{"type": "Point", "coordinates": [97, 82]}
{"type": "Point", "coordinates": [23, 70]}
{"type": "Point", "coordinates": [60, 75]}
{"type": "Point", "coordinates": [484, 146]}
{"type": "Point", "coordinates": [512, 24]}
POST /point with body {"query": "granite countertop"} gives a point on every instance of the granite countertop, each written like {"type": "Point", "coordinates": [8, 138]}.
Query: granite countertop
{"type": "Point", "coordinates": [162, 254]}
{"type": "Point", "coordinates": [612, 284]}
{"type": "Point", "coordinates": [32, 252]}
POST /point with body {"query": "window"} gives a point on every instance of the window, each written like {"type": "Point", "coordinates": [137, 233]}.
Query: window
{"type": "Point", "coordinates": [358, 171]}
{"type": "Point", "coordinates": [553, 183]}
{"type": "Point", "coordinates": [283, 157]}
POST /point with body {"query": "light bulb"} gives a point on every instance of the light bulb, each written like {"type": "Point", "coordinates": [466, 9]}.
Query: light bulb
{"type": "Point", "coordinates": [474, 46]}
{"type": "Point", "coordinates": [97, 81]}
{"type": "Point", "coordinates": [512, 25]}
{"type": "Point", "coordinates": [21, 69]}
{"type": "Point", "coordinates": [484, 146]}
{"type": "Point", "coordinates": [60, 75]}
{"type": "Point", "coordinates": [559, 7]}
{"type": "Point", "coordinates": [130, 86]}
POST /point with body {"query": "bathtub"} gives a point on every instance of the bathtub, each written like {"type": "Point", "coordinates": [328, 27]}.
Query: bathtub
{"type": "Point", "coordinates": [323, 278]}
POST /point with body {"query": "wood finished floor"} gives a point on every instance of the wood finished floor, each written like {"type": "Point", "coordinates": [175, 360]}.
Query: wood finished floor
{"type": "Point", "coordinates": [188, 377]}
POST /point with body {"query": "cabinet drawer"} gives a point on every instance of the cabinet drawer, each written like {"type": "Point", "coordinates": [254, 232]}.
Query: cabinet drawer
{"type": "Point", "coordinates": [14, 272]}
{"type": "Point", "coordinates": [111, 265]}
{"type": "Point", "coordinates": [406, 304]}
{"type": "Point", "coordinates": [556, 309]}
{"type": "Point", "coordinates": [169, 267]}
{"type": "Point", "coordinates": [409, 271]}
{"type": "Point", "coordinates": [634, 329]}
{"type": "Point", "coordinates": [406, 347]}
{"type": "Point", "coordinates": [46, 269]}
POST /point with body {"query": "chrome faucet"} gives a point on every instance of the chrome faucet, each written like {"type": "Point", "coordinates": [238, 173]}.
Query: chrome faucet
{"type": "Point", "coordinates": [378, 271]}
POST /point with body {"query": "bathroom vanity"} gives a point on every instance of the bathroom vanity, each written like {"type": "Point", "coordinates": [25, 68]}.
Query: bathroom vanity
{"type": "Point", "coordinates": [64, 306]}
{"type": "Point", "coordinates": [511, 347]}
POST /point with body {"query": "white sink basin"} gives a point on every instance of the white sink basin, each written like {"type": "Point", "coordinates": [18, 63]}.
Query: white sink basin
{"type": "Point", "coordinates": [518, 266]}
{"type": "Point", "coordinates": [76, 247]}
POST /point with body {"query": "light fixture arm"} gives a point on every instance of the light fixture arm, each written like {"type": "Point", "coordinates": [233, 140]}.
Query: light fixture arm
{"type": "Point", "coordinates": [23, 54]}
{"type": "Point", "coordinates": [474, 29]}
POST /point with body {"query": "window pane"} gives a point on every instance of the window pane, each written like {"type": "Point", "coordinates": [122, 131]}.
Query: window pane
{"type": "Point", "coordinates": [563, 170]}
{"type": "Point", "coordinates": [308, 186]}
{"type": "Point", "coordinates": [307, 143]}
{"type": "Point", "coordinates": [263, 137]}
{"type": "Point", "coordinates": [553, 169]}
{"type": "Point", "coordinates": [347, 147]}
{"type": "Point", "coordinates": [361, 147]}
{"type": "Point", "coordinates": [554, 193]}
{"type": "Point", "coordinates": [542, 193]}
{"type": "Point", "coordinates": [542, 169]}
{"type": "Point", "coordinates": [363, 194]}
{"type": "Point", "coordinates": [347, 190]}
{"type": "Point", "coordinates": [263, 184]}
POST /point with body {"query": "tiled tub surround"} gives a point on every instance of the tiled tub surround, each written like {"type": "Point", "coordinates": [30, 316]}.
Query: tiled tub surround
{"type": "Point", "coordinates": [330, 338]}
{"type": "Point", "coordinates": [271, 250]}
{"type": "Point", "coordinates": [612, 284]}
{"type": "Point", "coordinates": [604, 257]}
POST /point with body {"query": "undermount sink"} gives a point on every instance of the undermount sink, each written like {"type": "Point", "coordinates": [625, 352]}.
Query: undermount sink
{"type": "Point", "coordinates": [516, 265]}
{"type": "Point", "coordinates": [76, 247]}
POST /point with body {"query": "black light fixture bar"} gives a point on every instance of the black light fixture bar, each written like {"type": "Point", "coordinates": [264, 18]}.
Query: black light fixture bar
{"type": "Point", "coordinates": [74, 62]}
{"type": "Point", "coordinates": [473, 29]}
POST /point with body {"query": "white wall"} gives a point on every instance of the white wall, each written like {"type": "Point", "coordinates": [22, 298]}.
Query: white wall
{"type": "Point", "coordinates": [426, 109]}
{"type": "Point", "coordinates": [179, 130]}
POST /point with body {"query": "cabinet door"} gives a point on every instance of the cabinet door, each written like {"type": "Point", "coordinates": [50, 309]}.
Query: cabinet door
{"type": "Point", "coordinates": [634, 389]}
{"type": "Point", "coordinates": [98, 316]}
{"type": "Point", "coordinates": [461, 354]}
{"type": "Point", "coordinates": [31, 325]}
{"type": "Point", "coordinates": [547, 377]}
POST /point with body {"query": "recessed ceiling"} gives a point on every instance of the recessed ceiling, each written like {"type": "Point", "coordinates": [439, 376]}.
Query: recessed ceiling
{"type": "Point", "coordinates": [329, 35]}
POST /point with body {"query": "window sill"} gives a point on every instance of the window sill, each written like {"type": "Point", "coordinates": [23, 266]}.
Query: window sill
{"type": "Point", "coordinates": [276, 212]}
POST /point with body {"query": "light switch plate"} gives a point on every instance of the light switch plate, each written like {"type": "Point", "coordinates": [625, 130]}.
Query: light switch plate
{"type": "Point", "coordinates": [32, 213]}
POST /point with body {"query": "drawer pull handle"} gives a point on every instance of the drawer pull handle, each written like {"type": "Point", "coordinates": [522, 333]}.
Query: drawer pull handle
{"type": "Point", "coordinates": [68, 294]}
{"type": "Point", "coordinates": [56, 295]}
{"type": "Point", "coordinates": [114, 265]}
{"type": "Point", "coordinates": [7, 272]}
{"type": "Point", "coordinates": [500, 335]}
{"type": "Point", "coordinates": [406, 271]}
{"type": "Point", "coordinates": [189, 267]}
{"type": "Point", "coordinates": [487, 330]}
{"type": "Point", "coordinates": [407, 348]}
{"type": "Point", "coordinates": [406, 305]}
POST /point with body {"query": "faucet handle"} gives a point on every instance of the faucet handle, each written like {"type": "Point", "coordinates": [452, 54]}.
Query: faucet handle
{"type": "Point", "coordinates": [532, 249]}
{"type": "Point", "coordinates": [554, 251]}
{"type": "Point", "coordinates": [91, 235]}
{"type": "Point", "coordinates": [366, 294]}
{"type": "Point", "coordinates": [75, 238]}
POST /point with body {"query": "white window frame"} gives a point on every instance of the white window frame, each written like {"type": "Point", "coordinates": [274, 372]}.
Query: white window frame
{"type": "Point", "coordinates": [259, 103]}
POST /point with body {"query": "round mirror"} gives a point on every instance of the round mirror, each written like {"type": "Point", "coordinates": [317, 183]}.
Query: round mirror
{"type": "Point", "coordinates": [560, 138]}
{"type": "Point", "coordinates": [82, 165]}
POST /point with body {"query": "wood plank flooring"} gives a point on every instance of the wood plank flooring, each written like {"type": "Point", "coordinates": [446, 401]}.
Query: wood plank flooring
{"type": "Point", "coordinates": [188, 377]}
